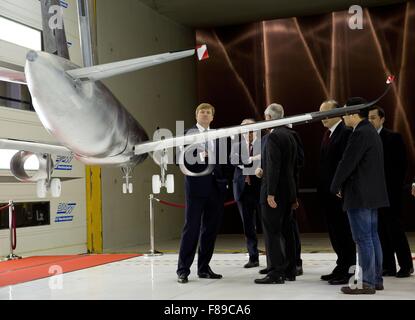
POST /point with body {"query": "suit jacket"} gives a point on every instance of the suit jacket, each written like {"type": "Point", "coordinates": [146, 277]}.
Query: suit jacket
{"type": "Point", "coordinates": [330, 156]}
{"type": "Point", "coordinates": [238, 158]}
{"type": "Point", "coordinates": [279, 166]}
{"type": "Point", "coordinates": [395, 163]}
{"type": "Point", "coordinates": [300, 158]}
{"type": "Point", "coordinates": [202, 186]}
{"type": "Point", "coordinates": [360, 174]}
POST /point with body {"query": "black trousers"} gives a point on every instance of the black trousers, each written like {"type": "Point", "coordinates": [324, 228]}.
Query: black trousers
{"type": "Point", "coordinates": [393, 239]}
{"type": "Point", "coordinates": [279, 239]}
{"type": "Point", "coordinates": [248, 209]}
{"type": "Point", "coordinates": [203, 216]}
{"type": "Point", "coordinates": [297, 240]}
{"type": "Point", "coordinates": [340, 234]}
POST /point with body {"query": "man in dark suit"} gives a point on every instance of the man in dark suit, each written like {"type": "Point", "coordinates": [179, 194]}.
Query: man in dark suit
{"type": "Point", "coordinates": [275, 110]}
{"type": "Point", "coordinates": [278, 195]}
{"type": "Point", "coordinates": [360, 181]}
{"type": "Point", "coordinates": [245, 156]}
{"type": "Point", "coordinates": [392, 235]}
{"type": "Point", "coordinates": [332, 147]}
{"type": "Point", "coordinates": [204, 204]}
{"type": "Point", "coordinates": [296, 229]}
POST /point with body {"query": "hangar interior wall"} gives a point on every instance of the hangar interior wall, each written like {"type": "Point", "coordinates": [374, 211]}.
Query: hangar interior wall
{"type": "Point", "coordinates": [64, 235]}
{"type": "Point", "coordinates": [156, 97]}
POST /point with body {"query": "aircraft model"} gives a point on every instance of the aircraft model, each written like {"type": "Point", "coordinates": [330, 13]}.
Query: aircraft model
{"type": "Point", "coordinates": [90, 123]}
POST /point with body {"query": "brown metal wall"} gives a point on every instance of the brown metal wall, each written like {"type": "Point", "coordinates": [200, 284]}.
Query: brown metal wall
{"type": "Point", "coordinates": [299, 62]}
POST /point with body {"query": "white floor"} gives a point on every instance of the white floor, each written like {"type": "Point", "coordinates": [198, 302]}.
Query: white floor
{"type": "Point", "coordinates": [145, 278]}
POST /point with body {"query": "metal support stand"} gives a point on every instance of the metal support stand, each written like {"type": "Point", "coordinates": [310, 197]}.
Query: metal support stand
{"type": "Point", "coordinates": [11, 256]}
{"type": "Point", "coordinates": [152, 251]}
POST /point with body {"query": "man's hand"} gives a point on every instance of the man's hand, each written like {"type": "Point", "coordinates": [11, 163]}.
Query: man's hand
{"type": "Point", "coordinates": [259, 172]}
{"type": "Point", "coordinates": [295, 205]}
{"type": "Point", "coordinates": [339, 194]}
{"type": "Point", "coordinates": [413, 190]}
{"type": "Point", "coordinates": [271, 202]}
{"type": "Point", "coordinates": [203, 156]}
{"type": "Point", "coordinates": [248, 180]}
{"type": "Point", "coordinates": [255, 158]}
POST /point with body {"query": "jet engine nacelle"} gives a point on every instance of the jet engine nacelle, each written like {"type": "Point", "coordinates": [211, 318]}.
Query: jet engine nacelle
{"type": "Point", "coordinates": [42, 176]}
{"type": "Point", "coordinates": [186, 171]}
{"type": "Point", "coordinates": [17, 166]}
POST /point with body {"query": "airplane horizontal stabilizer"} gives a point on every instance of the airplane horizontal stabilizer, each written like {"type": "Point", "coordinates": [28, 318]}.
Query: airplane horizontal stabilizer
{"type": "Point", "coordinates": [9, 75]}
{"type": "Point", "coordinates": [107, 70]}
{"type": "Point", "coordinates": [35, 147]}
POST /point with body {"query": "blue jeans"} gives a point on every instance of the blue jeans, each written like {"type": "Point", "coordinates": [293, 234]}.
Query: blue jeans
{"type": "Point", "coordinates": [364, 226]}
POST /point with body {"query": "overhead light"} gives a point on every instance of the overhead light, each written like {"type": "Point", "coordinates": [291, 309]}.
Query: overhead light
{"type": "Point", "coordinates": [20, 34]}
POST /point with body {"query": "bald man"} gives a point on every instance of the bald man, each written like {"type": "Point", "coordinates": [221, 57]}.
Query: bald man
{"type": "Point", "coordinates": [332, 148]}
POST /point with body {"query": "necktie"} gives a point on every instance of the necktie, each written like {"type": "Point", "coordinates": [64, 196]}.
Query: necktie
{"type": "Point", "coordinates": [251, 149]}
{"type": "Point", "coordinates": [206, 143]}
{"type": "Point", "coordinates": [326, 138]}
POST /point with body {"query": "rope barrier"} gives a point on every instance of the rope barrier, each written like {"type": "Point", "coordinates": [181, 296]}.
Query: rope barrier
{"type": "Point", "coordinates": [5, 207]}
{"type": "Point", "coordinates": [179, 205]}
{"type": "Point", "coordinates": [13, 231]}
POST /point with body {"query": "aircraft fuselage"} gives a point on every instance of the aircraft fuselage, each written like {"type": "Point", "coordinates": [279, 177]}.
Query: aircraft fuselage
{"type": "Point", "coordinates": [84, 116]}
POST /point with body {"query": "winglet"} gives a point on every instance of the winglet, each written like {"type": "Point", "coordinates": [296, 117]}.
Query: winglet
{"type": "Point", "coordinates": [390, 79]}
{"type": "Point", "coordinates": [202, 52]}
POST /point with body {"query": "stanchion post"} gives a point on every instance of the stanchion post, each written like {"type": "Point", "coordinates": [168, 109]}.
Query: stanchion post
{"type": "Point", "coordinates": [11, 256]}
{"type": "Point", "coordinates": [152, 251]}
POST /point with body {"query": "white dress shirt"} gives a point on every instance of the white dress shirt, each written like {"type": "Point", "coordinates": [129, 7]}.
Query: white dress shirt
{"type": "Point", "coordinates": [334, 127]}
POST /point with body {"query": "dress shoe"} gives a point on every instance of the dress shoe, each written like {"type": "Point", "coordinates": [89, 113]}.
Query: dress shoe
{"type": "Point", "coordinates": [364, 290]}
{"type": "Point", "coordinates": [388, 273]}
{"type": "Point", "coordinates": [379, 287]}
{"type": "Point", "coordinates": [289, 278]}
{"type": "Point", "coordinates": [328, 277]}
{"type": "Point", "coordinates": [209, 275]}
{"type": "Point", "coordinates": [270, 280]}
{"type": "Point", "coordinates": [299, 271]}
{"type": "Point", "coordinates": [251, 264]}
{"type": "Point", "coordinates": [182, 278]}
{"type": "Point", "coordinates": [340, 280]}
{"type": "Point", "coordinates": [404, 273]}
{"type": "Point", "coordinates": [263, 271]}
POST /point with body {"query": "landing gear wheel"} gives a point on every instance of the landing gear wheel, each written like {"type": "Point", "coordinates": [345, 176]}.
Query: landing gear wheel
{"type": "Point", "coordinates": [124, 188]}
{"type": "Point", "coordinates": [56, 187]}
{"type": "Point", "coordinates": [41, 188]}
{"type": "Point", "coordinates": [156, 184]}
{"type": "Point", "coordinates": [130, 188]}
{"type": "Point", "coordinates": [170, 183]}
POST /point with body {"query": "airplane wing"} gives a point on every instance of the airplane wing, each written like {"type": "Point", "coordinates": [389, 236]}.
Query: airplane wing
{"type": "Point", "coordinates": [202, 137]}
{"type": "Point", "coordinates": [9, 75]}
{"type": "Point", "coordinates": [102, 71]}
{"type": "Point", "coordinates": [35, 147]}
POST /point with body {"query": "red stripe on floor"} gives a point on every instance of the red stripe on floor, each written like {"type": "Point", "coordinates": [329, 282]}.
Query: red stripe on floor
{"type": "Point", "coordinates": [33, 268]}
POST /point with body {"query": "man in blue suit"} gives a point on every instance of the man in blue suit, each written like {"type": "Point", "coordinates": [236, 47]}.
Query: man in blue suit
{"type": "Point", "coordinates": [204, 203]}
{"type": "Point", "coordinates": [245, 156]}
